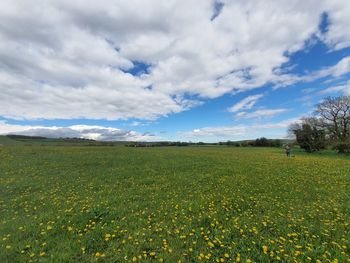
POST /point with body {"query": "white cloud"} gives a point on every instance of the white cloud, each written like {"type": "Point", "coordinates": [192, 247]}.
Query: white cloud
{"type": "Point", "coordinates": [341, 68]}
{"type": "Point", "coordinates": [70, 59]}
{"type": "Point", "coordinates": [246, 103]}
{"type": "Point", "coordinates": [262, 113]}
{"type": "Point", "coordinates": [215, 131]}
{"type": "Point", "coordinates": [338, 34]}
{"type": "Point", "coordinates": [344, 88]}
{"type": "Point", "coordinates": [77, 131]}
{"type": "Point", "coordinates": [240, 132]}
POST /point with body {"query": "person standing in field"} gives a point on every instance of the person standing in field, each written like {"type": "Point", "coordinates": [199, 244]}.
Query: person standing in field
{"type": "Point", "coordinates": [287, 148]}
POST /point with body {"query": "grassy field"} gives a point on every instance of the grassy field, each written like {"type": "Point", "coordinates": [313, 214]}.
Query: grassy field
{"type": "Point", "coordinates": [188, 204]}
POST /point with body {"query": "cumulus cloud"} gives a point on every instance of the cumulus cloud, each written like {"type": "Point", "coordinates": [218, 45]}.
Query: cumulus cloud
{"type": "Point", "coordinates": [77, 131]}
{"type": "Point", "coordinates": [337, 34]}
{"type": "Point", "coordinates": [75, 59]}
{"type": "Point", "coordinates": [246, 103]}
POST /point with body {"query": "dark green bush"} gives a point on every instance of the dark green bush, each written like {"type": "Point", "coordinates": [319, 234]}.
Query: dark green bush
{"type": "Point", "coordinates": [343, 147]}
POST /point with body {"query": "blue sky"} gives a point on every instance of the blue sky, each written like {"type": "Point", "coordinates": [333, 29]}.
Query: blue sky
{"type": "Point", "coordinates": [227, 71]}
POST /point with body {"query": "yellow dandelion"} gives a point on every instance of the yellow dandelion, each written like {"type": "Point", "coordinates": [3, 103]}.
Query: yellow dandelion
{"type": "Point", "coordinates": [265, 249]}
{"type": "Point", "coordinates": [210, 244]}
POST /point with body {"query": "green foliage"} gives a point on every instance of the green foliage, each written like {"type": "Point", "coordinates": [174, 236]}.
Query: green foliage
{"type": "Point", "coordinates": [260, 142]}
{"type": "Point", "coordinates": [310, 138]}
{"type": "Point", "coordinates": [263, 142]}
{"type": "Point", "coordinates": [329, 126]}
{"type": "Point", "coordinates": [119, 204]}
{"type": "Point", "coordinates": [343, 147]}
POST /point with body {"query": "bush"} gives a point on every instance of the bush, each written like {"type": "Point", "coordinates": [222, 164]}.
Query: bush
{"type": "Point", "coordinates": [343, 147]}
{"type": "Point", "coordinates": [310, 138]}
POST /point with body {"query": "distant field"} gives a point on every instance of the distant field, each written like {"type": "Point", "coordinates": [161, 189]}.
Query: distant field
{"type": "Point", "coordinates": [214, 204]}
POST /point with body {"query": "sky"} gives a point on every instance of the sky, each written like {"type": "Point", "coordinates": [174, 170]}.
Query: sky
{"type": "Point", "coordinates": [179, 70]}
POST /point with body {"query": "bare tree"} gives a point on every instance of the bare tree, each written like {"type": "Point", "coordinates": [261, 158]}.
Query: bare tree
{"type": "Point", "coordinates": [292, 128]}
{"type": "Point", "coordinates": [335, 116]}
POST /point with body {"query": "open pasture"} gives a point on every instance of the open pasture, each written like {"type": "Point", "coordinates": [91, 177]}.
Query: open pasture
{"type": "Point", "coordinates": [188, 204]}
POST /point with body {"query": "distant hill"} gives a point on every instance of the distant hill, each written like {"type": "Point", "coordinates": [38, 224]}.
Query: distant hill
{"type": "Point", "coordinates": [17, 140]}
{"type": "Point", "coordinates": [24, 137]}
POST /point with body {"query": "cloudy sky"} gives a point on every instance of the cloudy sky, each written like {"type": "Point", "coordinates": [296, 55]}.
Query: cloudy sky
{"type": "Point", "coordinates": [190, 70]}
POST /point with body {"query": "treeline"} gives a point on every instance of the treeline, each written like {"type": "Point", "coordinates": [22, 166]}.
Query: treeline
{"type": "Point", "coordinates": [328, 127]}
{"type": "Point", "coordinates": [155, 144]}
{"type": "Point", "coordinates": [164, 143]}
{"type": "Point", "coordinates": [25, 137]}
{"type": "Point", "coordinates": [260, 142]}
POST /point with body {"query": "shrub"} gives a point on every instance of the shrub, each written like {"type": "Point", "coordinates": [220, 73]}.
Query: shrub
{"type": "Point", "coordinates": [343, 147]}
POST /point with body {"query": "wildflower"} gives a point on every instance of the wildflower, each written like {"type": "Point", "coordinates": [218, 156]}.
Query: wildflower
{"type": "Point", "coordinates": [265, 249]}
{"type": "Point", "coordinates": [210, 244]}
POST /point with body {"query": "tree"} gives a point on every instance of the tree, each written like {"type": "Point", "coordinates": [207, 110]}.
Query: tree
{"type": "Point", "coordinates": [262, 142]}
{"type": "Point", "coordinates": [343, 147]}
{"type": "Point", "coordinates": [331, 124]}
{"type": "Point", "coordinates": [309, 135]}
{"type": "Point", "coordinates": [335, 115]}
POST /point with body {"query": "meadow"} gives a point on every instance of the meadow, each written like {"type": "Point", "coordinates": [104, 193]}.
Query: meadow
{"type": "Point", "coordinates": [172, 204]}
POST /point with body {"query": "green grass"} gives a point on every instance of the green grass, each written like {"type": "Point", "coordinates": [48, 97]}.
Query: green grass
{"type": "Point", "coordinates": [6, 141]}
{"type": "Point", "coordinates": [119, 204]}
